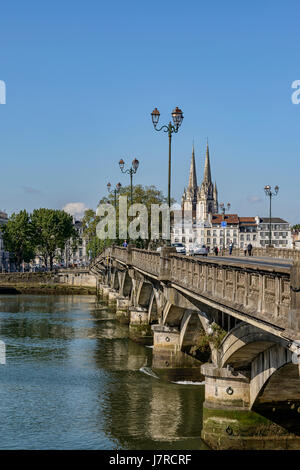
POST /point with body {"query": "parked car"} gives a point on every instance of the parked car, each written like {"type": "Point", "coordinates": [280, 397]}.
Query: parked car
{"type": "Point", "coordinates": [180, 248]}
{"type": "Point", "coordinates": [199, 250]}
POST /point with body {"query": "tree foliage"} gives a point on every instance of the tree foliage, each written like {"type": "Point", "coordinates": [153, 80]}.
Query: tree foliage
{"type": "Point", "coordinates": [52, 229]}
{"type": "Point", "coordinates": [18, 237]}
{"type": "Point", "coordinates": [41, 233]}
{"type": "Point", "coordinates": [146, 195]}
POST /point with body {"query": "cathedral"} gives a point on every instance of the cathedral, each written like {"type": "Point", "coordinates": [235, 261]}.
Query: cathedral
{"type": "Point", "coordinates": [200, 200]}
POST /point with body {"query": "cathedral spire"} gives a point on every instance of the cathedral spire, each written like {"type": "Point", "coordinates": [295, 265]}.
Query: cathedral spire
{"type": "Point", "coordinates": [192, 178]}
{"type": "Point", "coordinates": [215, 191]}
{"type": "Point", "coordinates": [207, 174]}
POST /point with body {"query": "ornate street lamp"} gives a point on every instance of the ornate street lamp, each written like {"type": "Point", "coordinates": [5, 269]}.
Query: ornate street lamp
{"type": "Point", "coordinates": [177, 117]}
{"type": "Point", "coordinates": [114, 191]}
{"type": "Point", "coordinates": [270, 193]}
{"type": "Point", "coordinates": [131, 171]}
{"type": "Point", "coordinates": [223, 209]}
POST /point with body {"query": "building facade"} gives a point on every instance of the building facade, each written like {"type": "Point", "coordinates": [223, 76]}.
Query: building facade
{"type": "Point", "coordinates": [202, 224]}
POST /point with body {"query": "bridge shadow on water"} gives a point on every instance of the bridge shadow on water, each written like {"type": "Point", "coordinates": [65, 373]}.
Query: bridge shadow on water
{"type": "Point", "coordinates": [144, 410]}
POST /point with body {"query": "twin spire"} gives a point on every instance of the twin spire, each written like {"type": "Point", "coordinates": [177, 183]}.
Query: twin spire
{"type": "Point", "coordinates": [193, 177]}
{"type": "Point", "coordinates": [207, 173]}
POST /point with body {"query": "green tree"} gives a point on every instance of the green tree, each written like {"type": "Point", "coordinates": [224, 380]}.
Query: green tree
{"type": "Point", "coordinates": [146, 195]}
{"type": "Point", "coordinates": [52, 229]}
{"type": "Point", "coordinates": [18, 237]}
{"type": "Point", "coordinates": [94, 244]}
{"type": "Point", "coordinates": [296, 227]}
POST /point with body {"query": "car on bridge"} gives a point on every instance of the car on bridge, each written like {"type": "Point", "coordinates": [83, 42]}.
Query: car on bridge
{"type": "Point", "coordinates": [198, 250]}
{"type": "Point", "coordinates": [180, 248]}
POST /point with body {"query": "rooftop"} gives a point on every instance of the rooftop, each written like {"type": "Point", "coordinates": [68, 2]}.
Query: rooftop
{"type": "Point", "coordinates": [274, 220]}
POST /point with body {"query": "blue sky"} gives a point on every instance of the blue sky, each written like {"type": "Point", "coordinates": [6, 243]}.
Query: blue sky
{"type": "Point", "coordinates": [83, 77]}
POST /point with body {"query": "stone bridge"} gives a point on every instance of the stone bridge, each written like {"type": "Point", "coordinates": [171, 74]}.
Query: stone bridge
{"type": "Point", "coordinates": [234, 324]}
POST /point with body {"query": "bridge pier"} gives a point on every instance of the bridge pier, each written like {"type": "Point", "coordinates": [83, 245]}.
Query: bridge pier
{"type": "Point", "coordinates": [122, 310]}
{"type": "Point", "coordinates": [168, 361]}
{"type": "Point", "coordinates": [228, 420]}
{"type": "Point", "coordinates": [112, 298]}
{"type": "Point", "coordinates": [104, 290]}
{"type": "Point", "coordinates": [139, 328]}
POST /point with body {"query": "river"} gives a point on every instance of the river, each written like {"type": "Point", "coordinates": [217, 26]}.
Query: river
{"type": "Point", "coordinates": [73, 380]}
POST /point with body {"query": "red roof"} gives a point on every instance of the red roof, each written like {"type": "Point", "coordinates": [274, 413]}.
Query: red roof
{"type": "Point", "coordinates": [231, 219]}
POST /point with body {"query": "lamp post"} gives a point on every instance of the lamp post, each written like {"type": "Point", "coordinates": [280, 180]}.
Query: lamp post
{"type": "Point", "coordinates": [170, 128]}
{"type": "Point", "coordinates": [270, 193]}
{"type": "Point", "coordinates": [223, 209]}
{"type": "Point", "coordinates": [131, 171]}
{"type": "Point", "coordinates": [114, 191]}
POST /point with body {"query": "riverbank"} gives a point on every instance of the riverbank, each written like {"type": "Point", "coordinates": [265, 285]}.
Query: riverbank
{"type": "Point", "coordinates": [46, 289]}
{"type": "Point", "coordinates": [71, 282]}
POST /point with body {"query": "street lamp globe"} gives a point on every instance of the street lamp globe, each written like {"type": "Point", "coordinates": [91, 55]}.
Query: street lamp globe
{"type": "Point", "coordinates": [177, 116]}
{"type": "Point", "coordinates": [267, 189]}
{"type": "Point", "coordinates": [135, 164]}
{"type": "Point", "coordinates": [276, 189]}
{"type": "Point", "coordinates": [155, 116]}
{"type": "Point", "coordinates": [108, 186]}
{"type": "Point", "coordinates": [118, 186]}
{"type": "Point", "coordinates": [121, 163]}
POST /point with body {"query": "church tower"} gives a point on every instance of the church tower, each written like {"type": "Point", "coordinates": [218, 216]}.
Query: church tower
{"type": "Point", "coordinates": [189, 198]}
{"type": "Point", "coordinates": [207, 195]}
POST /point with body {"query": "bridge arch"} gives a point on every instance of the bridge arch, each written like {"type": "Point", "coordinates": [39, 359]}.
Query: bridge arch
{"type": "Point", "coordinates": [125, 283]}
{"type": "Point", "coordinates": [153, 311]}
{"type": "Point", "coordinates": [243, 343]}
{"type": "Point", "coordinates": [264, 369]}
{"type": "Point", "coordinates": [172, 315]}
{"type": "Point", "coordinates": [143, 294]}
{"type": "Point", "coordinates": [275, 388]}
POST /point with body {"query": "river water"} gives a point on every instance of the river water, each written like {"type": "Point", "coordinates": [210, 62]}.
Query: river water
{"type": "Point", "coordinates": [73, 380]}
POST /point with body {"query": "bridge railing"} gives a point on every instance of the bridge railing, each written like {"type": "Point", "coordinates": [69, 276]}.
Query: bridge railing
{"type": "Point", "coordinates": [145, 260]}
{"type": "Point", "coordinates": [280, 253]}
{"type": "Point", "coordinates": [270, 292]}
{"type": "Point", "coordinates": [259, 289]}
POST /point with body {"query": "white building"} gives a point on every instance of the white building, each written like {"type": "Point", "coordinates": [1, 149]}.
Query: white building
{"type": "Point", "coordinates": [281, 233]}
{"type": "Point", "coordinates": [203, 225]}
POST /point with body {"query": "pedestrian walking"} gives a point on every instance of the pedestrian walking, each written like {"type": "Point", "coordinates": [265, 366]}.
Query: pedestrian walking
{"type": "Point", "coordinates": [230, 247]}
{"type": "Point", "coordinates": [216, 250]}
{"type": "Point", "coordinates": [125, 244]}
{"type": "Point", "coordinates": [249, 248]}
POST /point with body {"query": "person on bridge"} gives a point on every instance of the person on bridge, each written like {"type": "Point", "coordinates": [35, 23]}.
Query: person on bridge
{"type": "Point", "coordinates": [249, 248]}
{"type": "Point", "coordinates": [216, 250]}
{"type": "Point", "coordinates": [125, 244]}
{"type": "Point", "coordinates": [230, 248]}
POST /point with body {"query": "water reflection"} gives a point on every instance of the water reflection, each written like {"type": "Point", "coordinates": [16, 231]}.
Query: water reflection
{"type": "Point", "coordinates": [74, 380]}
